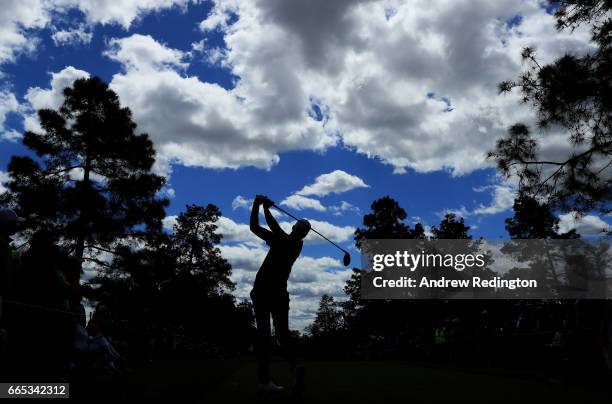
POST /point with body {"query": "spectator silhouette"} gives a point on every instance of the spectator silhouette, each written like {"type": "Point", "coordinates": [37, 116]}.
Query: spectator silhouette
{"type": "Point", "coordinates": [9, 264]}
{"type": "Point", "coordinates": [41, 327]}
{"type": "Point", "coordinates": [270, 296]}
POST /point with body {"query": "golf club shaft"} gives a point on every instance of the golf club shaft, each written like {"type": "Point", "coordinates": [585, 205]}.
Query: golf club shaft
{"type": "Point", "coordinates": [287, 213]}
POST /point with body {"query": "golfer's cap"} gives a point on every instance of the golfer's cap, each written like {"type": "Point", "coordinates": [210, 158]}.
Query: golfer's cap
{"type": "Point", "coordinates": [8, 216]}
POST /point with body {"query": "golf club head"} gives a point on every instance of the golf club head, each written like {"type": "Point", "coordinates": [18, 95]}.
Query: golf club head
{"type": "Point", "coordinates": [346, 259]}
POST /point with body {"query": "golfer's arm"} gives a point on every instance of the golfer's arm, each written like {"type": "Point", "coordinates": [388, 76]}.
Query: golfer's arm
{"type": "Point", "coordinates": [254, 223]}
{"type": "Point", "coordinates": [272, 223]}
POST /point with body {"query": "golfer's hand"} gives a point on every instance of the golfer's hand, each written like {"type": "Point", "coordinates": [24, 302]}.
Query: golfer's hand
{"type": "Point", "coordinates": [267, 202]}
{"type": "Point", "coordinates": [264, 200]}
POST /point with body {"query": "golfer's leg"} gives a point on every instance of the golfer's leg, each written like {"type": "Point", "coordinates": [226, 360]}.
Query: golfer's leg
{"type": "Point", "coordinates": [263, 341]}
{"type": "Point", "coordinates": [280, 317]}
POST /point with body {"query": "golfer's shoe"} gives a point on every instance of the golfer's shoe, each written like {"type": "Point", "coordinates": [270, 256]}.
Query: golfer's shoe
{"type": "Point", "coordinates": [269, 388]}
{"type": "Point", "coordinates": [298, 385]}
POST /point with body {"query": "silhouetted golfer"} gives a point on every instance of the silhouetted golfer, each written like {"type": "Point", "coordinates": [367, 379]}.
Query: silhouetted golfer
{"type": "Point", "coordinates": [270, 296]}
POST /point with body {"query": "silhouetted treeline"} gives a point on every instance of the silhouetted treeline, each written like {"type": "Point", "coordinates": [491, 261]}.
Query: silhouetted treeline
{"type": "Point", "coordinates": [176, 289]}
{"type": "Point", "coordinates": [92, 236]}
{"type": "Point", "coordinates": [528, 334]}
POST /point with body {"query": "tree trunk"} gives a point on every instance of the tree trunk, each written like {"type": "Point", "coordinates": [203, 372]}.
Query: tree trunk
{"type": "Point", "coordinates": [193, 247]}
{"type": "Point", "coordinates": [551, 266]}
{"type": "Point", "coordinates": [82, 232]}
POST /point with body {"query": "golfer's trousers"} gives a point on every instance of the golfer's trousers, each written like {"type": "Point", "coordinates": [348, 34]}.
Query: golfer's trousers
{"type": "Point", "coordinates": [268, 305]}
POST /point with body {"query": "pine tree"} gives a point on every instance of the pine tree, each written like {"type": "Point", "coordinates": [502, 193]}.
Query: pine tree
{"type": "Point", "coordinates": [328, 320]}
{"type": "Point", "coordinates": [451, 228]}
{"type": "Point", "coordinates": [195, 241]}
{"type": "Point", "coordinates": [177, 279]}
{"type": "Point", "coordinates": [574, 93]}
{"type": "Point", "coordinates": [387, 222]}
{"type": "Point", "coordinates": [534, 220]}
{"type": "Point", "coordinates": [91, 182]}
{"type": "Point", "coordinates": [364, 317]}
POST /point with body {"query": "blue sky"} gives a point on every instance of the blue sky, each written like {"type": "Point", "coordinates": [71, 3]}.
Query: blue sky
{"type": "Point", "coordinates": [384, 98]}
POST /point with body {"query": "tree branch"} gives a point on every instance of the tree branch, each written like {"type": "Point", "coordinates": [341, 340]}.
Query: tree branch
{"type": "Point", "coordinates": [48, 174]}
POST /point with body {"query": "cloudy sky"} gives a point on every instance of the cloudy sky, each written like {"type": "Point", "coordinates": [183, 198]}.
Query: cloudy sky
{"type": "Point", "coordinates": [322, 105]}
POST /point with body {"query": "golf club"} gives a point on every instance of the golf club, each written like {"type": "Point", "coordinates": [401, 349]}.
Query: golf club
{"type": "Point", "coordinates": [347, 257]}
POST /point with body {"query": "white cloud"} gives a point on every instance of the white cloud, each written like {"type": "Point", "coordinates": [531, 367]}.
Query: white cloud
{"type": "Point", "coordinates": [588, 225]}
{"type": "Point", "coordinates": [213, 55]}
{"type": "Point", "coordinates": [169, 221]}
{"type": "Point", "coordinates": [299, 202]}
{"type": "Point", "coordinates": [11, 135]}
{"type": "Point", "coordinates": [244, 257]}
{"type": "Point", "coordinates": [75, 36]}
{"type": "Point", "coordinates": [121, 12]}
{"type": "Point", "coordinates": [502, 200]}
{"type": "Point", "coordinates": [219, 16]}
{"type": "Point", "coordinates": [78, 173]}
{"type": "Point", "coordinates": [344, 207]}
{"type": "Point", "coordinates": [335, 182]}
{"type": "Point", "coordinates": [8, 104]}
{"type": "Point", "coordinates": [143, 53]}
{"type": "Point", "coordinates": [229, 229]}
{"type": "Point", "coordinates": [198, 46]}
{"type": "Point", "coordinates": [4, 178]}
{"type": "Point", "coordinates": [16, 17]}
{"type": "Point", "coordinates": [240, 202]}
{"type": "Point", "coordinates": [313, 277]}
{"type": "Point", "coordinates": [195, 123]}
{"type": "Point", "coordinates": [39, 98]}
{"type": "Point", "coordinates": [167, 192]}
{"type": "Point", "coordinates": [19, 20]}
{"type": "Point", "coordinates": [52, 98]}
{"type": "Point", "coordinates": [337, 234]}
{"type": "Point", "coordinates": [236, 232]}
{"type": "Point", "coordinates": [417, 89]}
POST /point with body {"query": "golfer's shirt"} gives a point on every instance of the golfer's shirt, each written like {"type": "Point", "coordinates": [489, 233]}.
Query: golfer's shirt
{"type": "Point", "coordinates": [275, 270]}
